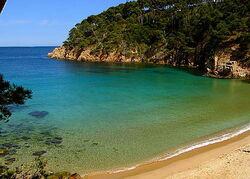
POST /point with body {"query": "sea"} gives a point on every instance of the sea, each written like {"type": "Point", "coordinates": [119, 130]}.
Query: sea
{"type": "Point", "coordinates": [97, 117]}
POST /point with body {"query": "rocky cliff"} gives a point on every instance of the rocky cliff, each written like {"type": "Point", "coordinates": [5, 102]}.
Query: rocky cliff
{"type": "Point", "coordinates": [227, 64]}
{"type": "Point", "coordinates": [221, 65]}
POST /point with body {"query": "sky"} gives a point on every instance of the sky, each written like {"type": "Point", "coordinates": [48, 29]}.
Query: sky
{"type": "Point", "coordinates": [45, 22]}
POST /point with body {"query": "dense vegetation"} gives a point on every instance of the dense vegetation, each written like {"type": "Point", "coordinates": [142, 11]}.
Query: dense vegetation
{"type": "Point", "coordinates": [175, 30]}
{"type": "Point", "coordinates": [11, 94]}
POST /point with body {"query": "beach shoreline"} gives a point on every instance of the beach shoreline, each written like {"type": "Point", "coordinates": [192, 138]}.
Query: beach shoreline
{"type": "Point", "coordinates": [190, 160]}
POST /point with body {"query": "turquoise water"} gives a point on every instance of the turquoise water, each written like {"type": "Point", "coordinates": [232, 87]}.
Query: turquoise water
{"type": "Point", "coordinates": [112, 116]}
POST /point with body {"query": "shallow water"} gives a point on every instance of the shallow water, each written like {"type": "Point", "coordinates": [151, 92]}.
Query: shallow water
{"type": "Point", "coordinates": [106, 116]}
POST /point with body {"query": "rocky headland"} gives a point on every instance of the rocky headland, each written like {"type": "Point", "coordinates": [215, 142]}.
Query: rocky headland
{"type": "Point", "coordinates": [208, 36]}
{"type": "Point", "coordinates": [222, 65]}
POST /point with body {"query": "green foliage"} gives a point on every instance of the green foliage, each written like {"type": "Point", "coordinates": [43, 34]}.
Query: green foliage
{"type": "Point", "coordinates": [11, 94]}
{"type": "Point", "coordinates": [179, 28]}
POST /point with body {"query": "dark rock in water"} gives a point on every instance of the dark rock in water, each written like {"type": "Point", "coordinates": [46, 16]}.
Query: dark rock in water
{"type": "Point", "coordinates": [12, 152]}
{"type": "Point", "coordinates": [56, 141]}
{"type": "Point", "coordinates": [58, 138]}
{"type": "Point", "coordinates": [3, 132]}
{"type": "Point", "coordinates": [39, 153]}
{"type": "Point", "coordinates": [39, 114]}
{"type": "Point", "coordinates": [17, 147]}
{"type": "Point", "coordinates": [9, 161]}
{"type": "Point", "coordinates": [25, 138]}
{"type": "Point", "coordinates": [48, 142]}
{"type": "Point", "coordinates": [45, 133]}
{"type": "Point", "coordinates": [3, 152]}
{"type": "Point", "coordinates": [7, 145]}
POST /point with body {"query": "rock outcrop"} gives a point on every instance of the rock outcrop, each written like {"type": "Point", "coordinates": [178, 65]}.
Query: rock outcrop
{"type": "Point", "coordinates": [65, 53]}
{"type": "Point", "coordinates": [224, 64]}
{"type": "Point", "coordinates": [85, 55]}
{"type": "Point", "coordinates": [221, 65]}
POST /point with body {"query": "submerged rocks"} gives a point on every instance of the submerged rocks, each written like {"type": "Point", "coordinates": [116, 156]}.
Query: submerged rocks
{"type": "Point", "coordinates": [9, 146]}
{"type": "Point", "coordinates": [60, 175]}
{"type": "Point", "coordinates": [11, 152]}
{"type": "Point", "coordinates": [9, 161]}
{"type": "Point", "coordinates": [45, 133]}
{"type": "Point", "coordinates": [3, 132]}
{"type": "Point", "coordinates": [56, 140]}
{"type": "Point", "coordinates": [25, 138]}
{"type": "Point", "coordinates": [3, 152]}
{"type": "Point", "coordinates": [39, 153]}
{"type": "Point", "coordinates": [39, 114]}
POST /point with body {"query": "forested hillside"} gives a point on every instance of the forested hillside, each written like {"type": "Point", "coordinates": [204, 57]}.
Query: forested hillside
{"type": "Point", "coordinates": [177, 32]}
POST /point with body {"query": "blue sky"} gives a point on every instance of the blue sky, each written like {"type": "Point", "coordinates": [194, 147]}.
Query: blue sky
{"type": "Point", "coordinates": [45, 22]}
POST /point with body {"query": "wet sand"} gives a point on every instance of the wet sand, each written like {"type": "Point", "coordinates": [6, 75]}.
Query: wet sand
{"type": "Point", "coordinates": [226, 159]}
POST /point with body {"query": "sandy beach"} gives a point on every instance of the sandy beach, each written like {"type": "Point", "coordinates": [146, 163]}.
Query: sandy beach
{"type": "Point", "coordinates": [228, 159]}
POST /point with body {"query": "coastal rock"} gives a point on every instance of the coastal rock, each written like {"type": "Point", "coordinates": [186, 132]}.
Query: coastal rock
{"type": "Point", "coordinates": [65, 53]}
{"type": "Point", "coordinates": [224, 64]}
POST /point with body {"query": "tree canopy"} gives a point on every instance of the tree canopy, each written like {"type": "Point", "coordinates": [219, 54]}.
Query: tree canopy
{"type": "Point", "coordinates": [181, 29]}
{"type": "Point", "coordinates": [10, 94]}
